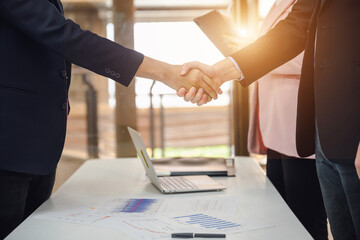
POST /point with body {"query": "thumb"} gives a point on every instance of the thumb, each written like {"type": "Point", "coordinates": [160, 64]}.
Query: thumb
{"type": "Point", "coordinates": [206, 69]}
{"type": "Point", "coordinates": [185, 69]}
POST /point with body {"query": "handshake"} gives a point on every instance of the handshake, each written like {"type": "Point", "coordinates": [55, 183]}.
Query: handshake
{"type": "Point", "coordinates": [194, 81]}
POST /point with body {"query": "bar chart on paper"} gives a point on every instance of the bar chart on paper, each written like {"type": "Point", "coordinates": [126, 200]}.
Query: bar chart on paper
{"type": "Point", "coordinates": [219, 224]}
{"type": "Point", "coordinates": [132, 206]}
{"type": "Point", "coordinates": [135, 206]}
{"type": "Point", "coordinates": [206, 221]}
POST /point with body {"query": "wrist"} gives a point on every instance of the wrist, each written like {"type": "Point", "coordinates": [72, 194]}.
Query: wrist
{"type": "Point", "coordinates": [154, 69]}
{"type": "Point", "coordinates": [226, 71]}
{"type": "Point", "coordinates": [168, 72]}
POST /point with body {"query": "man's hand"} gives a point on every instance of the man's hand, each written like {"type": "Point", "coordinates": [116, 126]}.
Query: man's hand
{"type": "Point", "coordinates": [220, 72]}
{"type": "Point", "coordinates": [193, 95]}
{"type": "Point", "coordinates": [195, 81]}
{"type": "Point", "coordinates": [357, 161]}
{"type": "Point", "coordinates": [197, 95]}
{"type": "Point", "coordinates": [169, 75]}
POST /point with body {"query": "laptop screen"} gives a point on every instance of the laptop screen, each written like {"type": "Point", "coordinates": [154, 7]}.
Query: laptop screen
{"type": "Point", "coordinates": [145, 159]}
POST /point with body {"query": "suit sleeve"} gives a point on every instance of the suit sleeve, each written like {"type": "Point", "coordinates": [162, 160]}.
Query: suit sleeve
{"type": "Point", "coordinates": [292, 67]}
{"type": "Point", "coordinates": [281, 44]}
{"type": "Point", "coordinates": [41, 21]}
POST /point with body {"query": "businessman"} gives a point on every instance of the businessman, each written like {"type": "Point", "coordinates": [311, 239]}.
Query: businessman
{"type": "Point", "coordinates": [37, 47]}
{"type": "Point", "coordinates": [328, 113]}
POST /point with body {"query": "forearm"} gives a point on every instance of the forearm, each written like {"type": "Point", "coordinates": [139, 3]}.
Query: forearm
{"type": "Point", "coordinates": [226, 71]}
{"type": "Point", "coordinates": [285, 41]}
{"type": "Point", "coordinates": [155, 69]}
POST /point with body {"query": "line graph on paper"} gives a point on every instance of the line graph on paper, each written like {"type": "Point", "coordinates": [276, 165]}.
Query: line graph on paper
{"type": "Point", "coordinates": [144, 227]}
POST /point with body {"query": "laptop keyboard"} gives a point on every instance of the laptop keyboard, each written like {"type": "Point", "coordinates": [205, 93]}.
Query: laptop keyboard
{"type": "Point", "coordinates": [177, 183]}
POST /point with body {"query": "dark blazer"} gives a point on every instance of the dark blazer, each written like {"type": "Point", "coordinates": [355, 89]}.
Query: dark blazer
{"type": "Point", "coordinates": [330, 80]}
{"type": "Point", "coordinates": [37, 47]}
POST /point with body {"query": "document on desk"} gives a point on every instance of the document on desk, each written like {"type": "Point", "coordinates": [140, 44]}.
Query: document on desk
{"type": "Point", "coordinates": [156, 218]}
{"type": "Point", "coordinates": [143, 207]}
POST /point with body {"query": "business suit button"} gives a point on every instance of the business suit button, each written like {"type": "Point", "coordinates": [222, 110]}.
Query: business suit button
{"type": "Point", "coordinates": [107, 70]}
{"type": "Point", "coordinates": [117, 75]}
{"type": "Point", "coordinates": [64, 106]}
{"type": "Point", "coordinates": [112, 73]}
{"type": "Point", "coordinates": [63, 74]}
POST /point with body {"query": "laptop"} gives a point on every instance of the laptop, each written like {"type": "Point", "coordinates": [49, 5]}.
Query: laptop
{"type": "Point", "coordinates": [172, 184]}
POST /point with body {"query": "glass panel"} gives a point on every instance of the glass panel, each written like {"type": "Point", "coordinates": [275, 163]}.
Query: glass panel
{"type": "Point", "coordinates": [187, 129]}
{"type": "Point", "coordinates": [176, 43]}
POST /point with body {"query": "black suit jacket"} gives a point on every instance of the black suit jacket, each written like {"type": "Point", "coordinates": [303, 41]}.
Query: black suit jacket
{"type": "Point", "coordinates": [330, 80]}
{"type": "Point", "coordinates": [37, 47]}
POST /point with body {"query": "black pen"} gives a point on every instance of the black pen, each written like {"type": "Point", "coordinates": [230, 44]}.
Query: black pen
{"type": "Point", "coordinates": [198, 235]}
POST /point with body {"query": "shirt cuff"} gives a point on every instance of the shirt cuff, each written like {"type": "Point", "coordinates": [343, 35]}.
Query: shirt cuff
{"type": "Point", "coordinates": [238, 68]}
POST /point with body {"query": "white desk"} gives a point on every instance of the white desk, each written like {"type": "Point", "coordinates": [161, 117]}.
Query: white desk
{"type": "Point", "coordinates": [99, 180]}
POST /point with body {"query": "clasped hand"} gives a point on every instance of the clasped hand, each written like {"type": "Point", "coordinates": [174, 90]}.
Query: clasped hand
{"type": "Point", "coordinates": [202, 81]}
{"type": "Point", "coordinates": [197, 95]}
{"type": "Point", "coordinates": [202, 87]}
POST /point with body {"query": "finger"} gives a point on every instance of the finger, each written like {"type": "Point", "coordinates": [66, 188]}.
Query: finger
{"type": "Point", "coordinates": [206, 69]}
{"type": "Point", "coordinates": [185, 69]}
{"type": "Point", "coordinates": [209, 89]}
{"type": "Point", "coordinates": [190, 95]}
{"type": "Point", "coordinates": [181, 92]}
{"type": "Point", "coordinates": [208, 98]}
{"type": "Point", "coordinates": [198, 96]}
{"type": "Point", "coordinates": [213, 84]}
{"type": "Point", "coordinates": [203, 100]}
